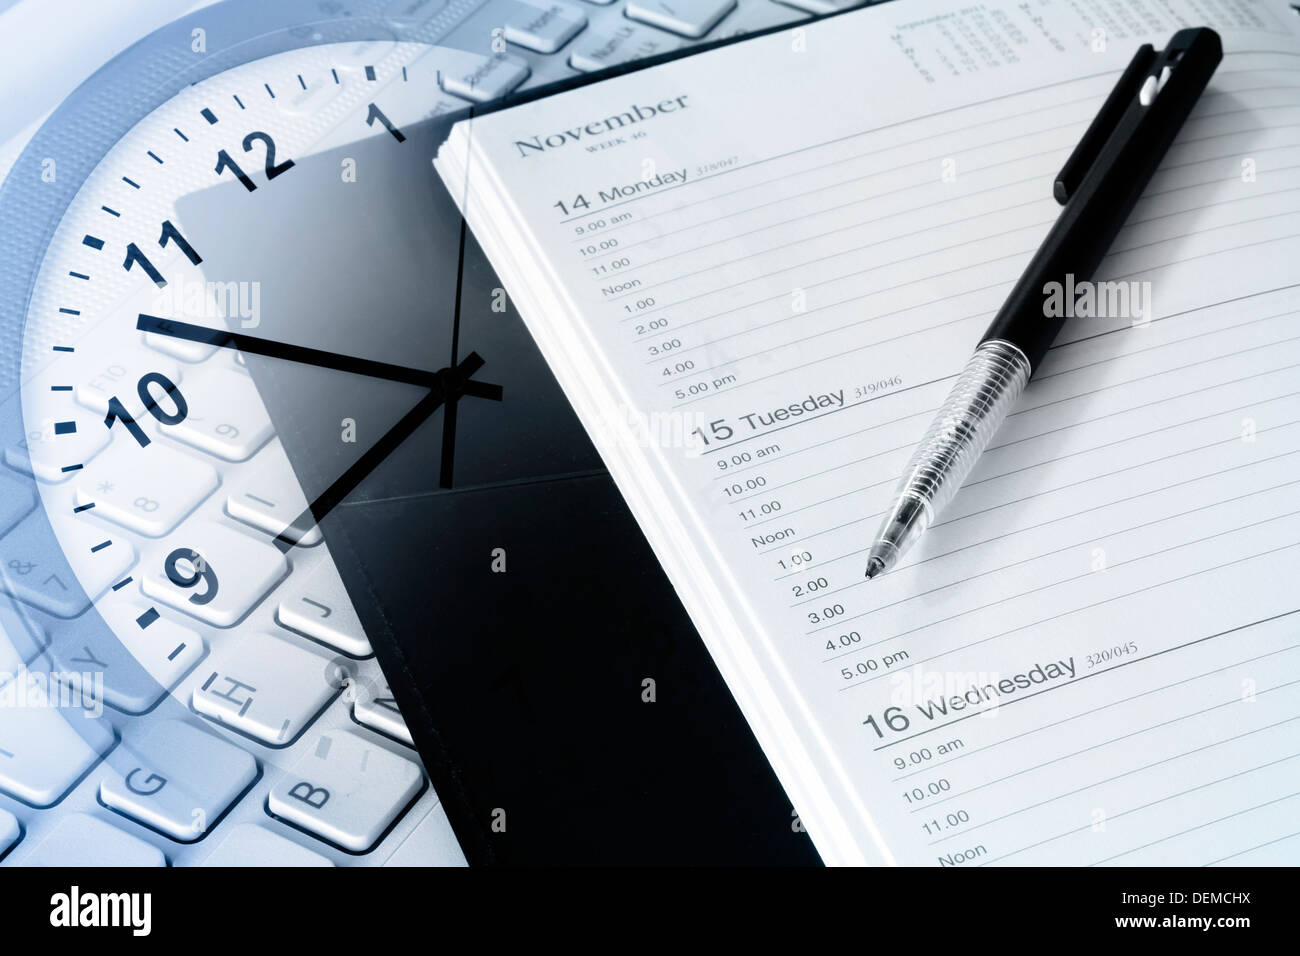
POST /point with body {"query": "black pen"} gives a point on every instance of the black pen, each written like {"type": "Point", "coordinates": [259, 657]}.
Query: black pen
{"type": "Point", "coordinates": [1098, 186]}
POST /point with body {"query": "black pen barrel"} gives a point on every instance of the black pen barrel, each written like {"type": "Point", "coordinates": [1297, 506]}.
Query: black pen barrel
{"type": "Point", "coordinates": [1106, 195]}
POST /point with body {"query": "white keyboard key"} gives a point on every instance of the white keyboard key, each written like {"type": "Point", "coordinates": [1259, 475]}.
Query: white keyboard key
{"type": "Point", "coordinates": [44, 750]}
{"type": "Point", "coordinates": [254, 846]}
{"type": "Point", "coordinates": [52, 452]}
{"type": "Point", "coordinates": [17, 499]}
{"type": "Point", "coordinates": [21, 638]}
{"type": "Point", "coordinates": [481, 78]}
{"type": "Point", "coordinates": [148, 490]}
{"type": "Point", "coordinates": [240, 572]}
{"type": "Point", "coordinates": [226, 416]}
{"type": "Point", "coordinates": [80, 840]}
{"type": "Point", "coordinates": [268, 688]}
{"type": "Point", "coordinates": [822, 6]}
{"type": "Point", "coordinates": [540, 26]}
{"type": "Point", "coordinates": [346, 790]}
{"type": "Point", "coordinates": [183, 349]}
{"type": "Point", "coordinates": [319, 608]}
{"type": "Point", "coordinates": [752, 17]}
{"type": "Point", "coordinates": [375, 708]}
{"type": "Point", "coordinates": [137, 665]}
{"type": "Point", "coordinates": [9, 831]}
{"type": "Point", "coordinates": [689, 18]}
{"type": "Point", "coordinates": [176, 778]}
{"type": "Point", "coordinates": [621, 43]}
{"type": "Point", "coordinates": [35, 569]}
{"type": "Point", "coordinates": [270, 498]}
{"type": "Point", "coordinates": [118, 376]}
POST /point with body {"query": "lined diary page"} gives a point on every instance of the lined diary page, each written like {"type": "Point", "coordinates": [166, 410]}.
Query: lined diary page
{"type": "Point", "coordinates": [757, 272]}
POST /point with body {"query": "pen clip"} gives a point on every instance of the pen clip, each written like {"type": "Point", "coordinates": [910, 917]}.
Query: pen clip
{"type": "Point", "coordinates": [1191, 55]}
{"type": "Point", "coordinates": [1103, 124]}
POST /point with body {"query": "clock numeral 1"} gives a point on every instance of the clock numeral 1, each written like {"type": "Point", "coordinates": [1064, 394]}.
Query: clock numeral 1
{"type": "Point", "coordinates": [169, 234]}
{"type": "Point", "coordinates": [375, 113]}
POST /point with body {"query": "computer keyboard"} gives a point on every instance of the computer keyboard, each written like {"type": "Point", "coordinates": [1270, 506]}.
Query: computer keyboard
{"type": "Point", "coordinates": [286, 747]}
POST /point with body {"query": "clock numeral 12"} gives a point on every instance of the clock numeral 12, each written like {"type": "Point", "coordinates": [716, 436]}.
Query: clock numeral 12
{"type": "Point", "coordinates": [273, 169]}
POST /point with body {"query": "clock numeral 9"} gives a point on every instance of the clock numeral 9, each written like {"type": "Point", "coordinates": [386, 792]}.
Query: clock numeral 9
{"type": "Point", "coordinates": [117, 411]}
{"type": "Point", "coordinates": [200, 571]}
{"type": "Point", "coordinates": [224, 161]}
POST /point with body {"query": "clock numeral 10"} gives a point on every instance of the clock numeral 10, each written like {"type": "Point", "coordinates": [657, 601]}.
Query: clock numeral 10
{"type": "Point", "coordinates": [169, 234]}
{"type": "Point", "coordinates": [117, 411]}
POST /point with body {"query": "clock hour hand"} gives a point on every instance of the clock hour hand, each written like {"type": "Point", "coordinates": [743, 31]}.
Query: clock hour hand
{"type": "Point", "coordinates": [445, 385]}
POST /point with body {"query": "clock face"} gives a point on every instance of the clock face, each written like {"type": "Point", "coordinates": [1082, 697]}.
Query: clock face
{"type": "Point", "coordinates": [230, 315]}
{"type": "Point", "coordinates": [158, 464]}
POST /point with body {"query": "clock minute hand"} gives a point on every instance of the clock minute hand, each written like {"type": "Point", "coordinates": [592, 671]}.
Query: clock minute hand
{"type": "Point", "coordinates": [223, 338]}
{"type": "Point", "coordinates": [443, 385]}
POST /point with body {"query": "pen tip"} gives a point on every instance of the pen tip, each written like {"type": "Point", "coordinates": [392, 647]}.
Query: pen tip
{"type": "Point", "coordinates": [875, 566]}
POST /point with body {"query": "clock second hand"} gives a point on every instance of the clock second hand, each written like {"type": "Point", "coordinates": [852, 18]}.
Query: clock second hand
{"type": "Point", "coordinates": [443, 385]}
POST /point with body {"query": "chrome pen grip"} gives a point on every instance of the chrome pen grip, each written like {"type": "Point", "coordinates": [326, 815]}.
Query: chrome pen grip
{"type": "Point", "coordinates": [984, 392]}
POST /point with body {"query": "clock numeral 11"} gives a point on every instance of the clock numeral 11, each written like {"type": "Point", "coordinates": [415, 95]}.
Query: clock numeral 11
{"type": "Point", "coordinates": [169, 234]}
